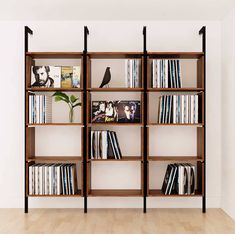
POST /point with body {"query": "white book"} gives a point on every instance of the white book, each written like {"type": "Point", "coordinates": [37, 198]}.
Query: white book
{"type": "Point", "coordinates": [158, 64]}
{"type": "Point", "coordinates": [46, 183]}
{"type": "Point", "coordinates": [131, 73]}
{"type": "Point", "coordinates": [104, 145]}
{"type": "Point", "coordinates": [48, 109]}
{"type": "Point", "coordinates": [179, 73]}
{"type": "Point", "coordinates": [127, 73]}
{"type": "Point", "coordinates": [30, 109]}
{"type": "Point", "coordinates": [186, 112]}
{"type": "Point", "coordinates": [91, 150]}
{"type": "Point", "coordinates": [192, 109]}
{"type": "Point", "coordinates": [58, 178]}
{"type": "Point", "coordinates": [182, 109]}
{"type": "Point", "coordinates": [174, 108]}
{"type": "Point", "coordinates": [160, 110]}
{"type": "Point", "coordinates": [40, 175]}
{"type": "Point", "coordinates": [51, 179]}
{"type": "Point", "coordinates": [170, 109]}
{"type": "Point", "coordinates": [178, 109]}
{"type": "Point", "coordinates": [196, 108]}
{"type": "Point", "coordinates": [166, 73]}
{"type": "Point", "coordinates": [36, 177]}
{"type": "Point", "coordinates": [181, 179]}
{"type": "Point", "coordinates": [31, 180]}
{"type": "Point", "coordinates": [154, 77]}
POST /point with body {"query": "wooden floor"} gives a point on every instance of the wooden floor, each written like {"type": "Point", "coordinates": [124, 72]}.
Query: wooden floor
{"type": "Point", "coordinates": [111, 221]}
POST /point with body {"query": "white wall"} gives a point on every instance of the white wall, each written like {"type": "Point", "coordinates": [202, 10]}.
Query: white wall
{"type": "Point", "coordinates": [104, 36]}
{"type": "Point", "coordinates": [228, 111]}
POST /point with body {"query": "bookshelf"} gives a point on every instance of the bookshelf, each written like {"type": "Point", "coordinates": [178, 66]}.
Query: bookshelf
{"type": "Point", "coordinates": [146, 163]}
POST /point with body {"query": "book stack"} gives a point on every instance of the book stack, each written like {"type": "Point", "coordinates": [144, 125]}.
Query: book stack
{"type": "Point", "coordinates": [178, 109]}
{"type": "Point", "coordinates": [132, 73]}
{"type": "Point", "coordinates": [55, 76]}
{"type": "Point", "coordinates": [104, 145]}
{"type": "Point", "coordinates": [166, 73]}
{"type": "Point", "coordinates": [40, 109]}
{"type": "Point", "coordinates": [179, 179]}
{"type": "Point", "coordinates": [52, 179]}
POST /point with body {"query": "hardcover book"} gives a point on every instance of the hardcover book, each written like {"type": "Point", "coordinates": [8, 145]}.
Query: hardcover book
{"type": "Point", "coordinates": [76, 76]}
{"type": "Point", "coordinates": [66, 76]}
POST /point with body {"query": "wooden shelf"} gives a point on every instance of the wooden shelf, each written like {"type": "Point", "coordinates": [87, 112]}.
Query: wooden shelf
{"type": "Point", "coordinates": [115, 124]}
{"type": "Point", "coordinates": [54, 89]}
{"type": "Point", "coordinates": [78, 194]}
{"type": "Point", "coordinates": [180, 55]}
{"type": "Point", "coordinates": [115, 193]}
{"type": "Point", "coordinates": [175, 89]}
{"type": "Point", "coordinates": [124, 158]}
{"type": "Point", "coordinates": [55, 124]}
{"type": "Point", "coordinates": [115, 89]}
{"type": "Point", "coordinates": [178, 124]}
{"type": "Point", "coordinates": [175, 158]}
{"type": "Point", "coordinates": [55, 55]}
{"type": "Point", "coordinates": [158, 193]}
{"type": "Point", "coordinates": [55, 159]}
{"type": "Point", "coordinates": [114, 55]}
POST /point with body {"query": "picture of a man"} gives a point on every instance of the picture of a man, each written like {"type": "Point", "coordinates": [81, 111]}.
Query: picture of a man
{"type": "Point", "coordinates": [42, 78]}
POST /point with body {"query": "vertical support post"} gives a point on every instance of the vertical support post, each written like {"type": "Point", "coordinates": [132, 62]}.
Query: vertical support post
{"type": "Point", "coordinates": [86, 32]}
{"type": "Point", "coordinates": [27, 31]}
{"type": "Point", "coordinates": [203, 33]}
{"type": "Point", "coordinates": [145, 121]}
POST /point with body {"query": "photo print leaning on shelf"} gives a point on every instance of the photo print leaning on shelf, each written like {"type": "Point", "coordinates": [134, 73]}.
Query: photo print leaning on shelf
{"type": "Point", "coordinates": [103, 112]}
{"type": "Point", "coordinates": [45, 76]}
{"type": "Point", "coordinates": [128, 111]}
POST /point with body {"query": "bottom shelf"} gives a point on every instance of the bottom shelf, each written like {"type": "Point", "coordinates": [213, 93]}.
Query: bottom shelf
{"type": "Point", "coordinates": [115, 193]}
{"type": "Point", "coordinates": [159, 193]}
{"type": "Point", "coordinates": [77, 194]}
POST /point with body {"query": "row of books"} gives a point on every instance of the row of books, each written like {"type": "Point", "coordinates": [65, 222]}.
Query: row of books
{"type": "Point", "coordinates": [52, 179]}
{"type": "Point", "coordinates": [132, 73]}
{"type": "Point", "coordinates": [104, 145]}
{"type": "Point", "coordinates": [55, 76]}
{"type": "Point", "coordinates": [166, 73]}
{"type": "Point", "coordinates": [179, 179]}
{"type": "Point", "coordinates": [178, 109]}
{"type": "Point", "coordinates": [40, 109]}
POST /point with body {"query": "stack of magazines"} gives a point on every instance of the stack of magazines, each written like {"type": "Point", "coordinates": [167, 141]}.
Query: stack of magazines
{"type": "Point", "coordinates": [166, 73]}
{"type": "Point", "coordinates": [40, 109]}
{"type": "Point", "coordinates": [52, 179]}
{"type": "Point", "coordinates": [178, 109]}
{"type": "Point", "coordinates": [179, 179]}
{"type": "Point", "coordinates": [104, 145]}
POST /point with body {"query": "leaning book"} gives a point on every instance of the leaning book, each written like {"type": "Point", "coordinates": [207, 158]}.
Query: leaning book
{"type": "Point", "coordinates": [45, 76]}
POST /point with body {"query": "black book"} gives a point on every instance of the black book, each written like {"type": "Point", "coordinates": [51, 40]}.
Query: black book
{"type": "Point", "coordinates": [166, 180]}
{"type": "Point", "coordinates": [117, 144]}
{"type": "Point", "coordinates": [174, 170]}
{"type": "Point", "coordinates": [174, 189]}
{"type": "Point", "coordinates": [111, 150]}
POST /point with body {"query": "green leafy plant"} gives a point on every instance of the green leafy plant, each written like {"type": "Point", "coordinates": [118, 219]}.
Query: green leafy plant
{"type": "Point", "coordinates": [71, 100]}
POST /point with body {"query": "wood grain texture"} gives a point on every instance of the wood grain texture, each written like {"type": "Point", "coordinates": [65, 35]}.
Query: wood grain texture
{"type": "Point", "coordinates": [116, 221]}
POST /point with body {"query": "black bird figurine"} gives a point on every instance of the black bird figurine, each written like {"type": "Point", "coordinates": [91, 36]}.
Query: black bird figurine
{"type": "Point", "coordinates": [107, 78]}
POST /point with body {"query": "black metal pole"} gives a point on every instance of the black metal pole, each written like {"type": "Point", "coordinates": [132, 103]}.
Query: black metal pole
{"type": "Point", "coordinates": [27, 31]}
{"type": "Point", "coordinates": [86, 32]}
{"type": "Point", "coordinates": [145, 121]}
{"type": "Point", "coordinates": [203, 33]}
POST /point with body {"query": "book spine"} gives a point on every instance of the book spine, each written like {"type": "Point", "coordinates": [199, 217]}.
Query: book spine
{"type": "Point", "coordinates": [196, 108]}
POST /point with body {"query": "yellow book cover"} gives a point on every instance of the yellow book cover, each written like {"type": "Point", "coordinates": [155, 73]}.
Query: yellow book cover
{"type": "Point", "coordinates": [66, 76]}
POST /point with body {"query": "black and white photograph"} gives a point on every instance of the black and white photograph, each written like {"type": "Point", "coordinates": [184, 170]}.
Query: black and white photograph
{"type": "Point", "coordinates": [128, 111]}
{"type": "Point", "coordinates": [45, 76]}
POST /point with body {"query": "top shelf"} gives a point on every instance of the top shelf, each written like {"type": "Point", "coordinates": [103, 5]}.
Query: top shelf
{"type": "Point", "coordinates": [55, 55]}
{"type": "Point", "coordinates": [114, 55]}
{"type": "Point", "coordinates": [180, 55]}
